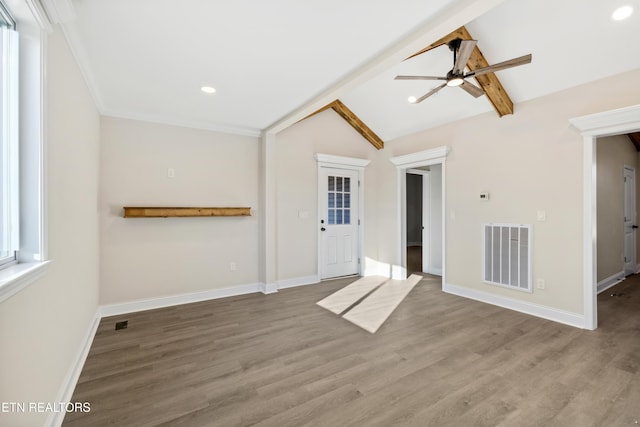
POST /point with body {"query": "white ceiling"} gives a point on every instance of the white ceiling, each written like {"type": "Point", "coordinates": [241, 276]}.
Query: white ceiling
{"type": "Point", "coordinates": [572, 43]}
{"type": "Point", "coordinates": [146, 59]}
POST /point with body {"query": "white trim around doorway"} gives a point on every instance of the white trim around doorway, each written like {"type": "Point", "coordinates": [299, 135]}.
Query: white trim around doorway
{"type": "Point", "coordinates": [403, 164]}
{"type": "Point", "coordinates": [353, 164]}
{"type": "Point", "coordinates": [607, 123]}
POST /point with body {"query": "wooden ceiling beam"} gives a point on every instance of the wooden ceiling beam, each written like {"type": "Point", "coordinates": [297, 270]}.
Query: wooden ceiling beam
{"type": "Point", "coordinates": [489, 82]}
{"type": "Point", "coordinates": [353, 120]}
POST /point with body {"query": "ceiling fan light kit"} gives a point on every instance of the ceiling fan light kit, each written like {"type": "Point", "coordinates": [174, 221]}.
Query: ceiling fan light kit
{"type": "Point", "coordinates": [462, 50]}
{"type": "Point", "coordinates": [455, 81]}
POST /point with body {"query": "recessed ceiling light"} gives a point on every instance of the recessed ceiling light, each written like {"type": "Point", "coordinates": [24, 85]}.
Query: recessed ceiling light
{"type": "Point", "coordinates": [622, 13]}
{"type": "Point", "coordinates": [412, 99]}
{"type": "Point", "coordinates": [208, 89]}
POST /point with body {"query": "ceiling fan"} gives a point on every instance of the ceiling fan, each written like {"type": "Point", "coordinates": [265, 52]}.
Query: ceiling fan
{"type": "Point", "coordinates": [462, 50]}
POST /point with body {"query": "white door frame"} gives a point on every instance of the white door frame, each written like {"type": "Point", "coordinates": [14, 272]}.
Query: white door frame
{"type": "Point", "coordinates": [633, 220]}
{"type": "Point", "coordinates": [607, 123]}
{"type": "Point", "coordinates": [426, 218]}
{"type": "Point", "coordinates": [403, 163]}
{"type": "Point", "coordinates": [348, 163]}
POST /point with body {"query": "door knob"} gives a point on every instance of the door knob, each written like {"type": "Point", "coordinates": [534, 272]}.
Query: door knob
{"type": "Point", "coordinates": [324, 229]}
{"type": "Point", "coordinates": [634, 226]}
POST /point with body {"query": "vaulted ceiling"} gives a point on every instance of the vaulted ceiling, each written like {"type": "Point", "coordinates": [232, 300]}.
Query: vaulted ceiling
{"type": "Point", "coordinates": [147, 59]}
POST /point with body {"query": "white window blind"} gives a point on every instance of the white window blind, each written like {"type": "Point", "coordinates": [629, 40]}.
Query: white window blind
{"type": "Point", "coordinates": [507, 255]}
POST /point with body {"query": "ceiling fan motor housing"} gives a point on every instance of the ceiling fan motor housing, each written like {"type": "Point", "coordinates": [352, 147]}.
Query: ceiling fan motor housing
{"type": "Point", "coordinates": [454, 44]}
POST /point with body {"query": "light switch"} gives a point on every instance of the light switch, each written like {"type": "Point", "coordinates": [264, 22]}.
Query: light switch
{"type": "Point", "coordinates": [542, 215]}
{"type": "Point", "coordinates": [171, 173]}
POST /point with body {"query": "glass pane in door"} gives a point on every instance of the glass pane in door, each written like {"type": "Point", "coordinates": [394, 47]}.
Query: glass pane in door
{"type": "Point", "coordinates": [339, 200]}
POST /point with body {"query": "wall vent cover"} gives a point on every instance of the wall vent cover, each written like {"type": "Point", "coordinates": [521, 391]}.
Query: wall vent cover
{"type": "Point", "coordinates": [507, 255]}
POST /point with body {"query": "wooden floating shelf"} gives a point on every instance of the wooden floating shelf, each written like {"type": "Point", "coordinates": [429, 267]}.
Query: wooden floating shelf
{"type": "Point", "coordinates": [157, 212]}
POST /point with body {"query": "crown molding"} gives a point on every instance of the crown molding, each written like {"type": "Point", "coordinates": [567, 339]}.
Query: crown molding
{"type": "Point", "coordinates": [48, 13]}
{"type": "Point", "coordinates": [59, 11]}
{"type": "Point", "coordinates": [151, 118]}
{"type": "Point", "coordinates": [40, 15]}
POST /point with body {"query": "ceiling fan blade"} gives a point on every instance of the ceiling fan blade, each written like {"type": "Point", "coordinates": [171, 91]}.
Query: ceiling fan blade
{"type": "Point", "coordinates": [501, 66]}
{"type": "Point", "coordinates": [472, 89]}
{"type": "Point", "coordinates": [462, 57]}
{"type": "Point", "coordinates": [428, 94]}
{"type": "Point", "coordinates": [419, 78]}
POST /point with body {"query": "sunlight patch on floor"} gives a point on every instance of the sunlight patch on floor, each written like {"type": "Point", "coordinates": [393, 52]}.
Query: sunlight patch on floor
{"type": "Point", "coordinates": [372, 311]}
{"type": "Point", "coordinates": [344, 298]}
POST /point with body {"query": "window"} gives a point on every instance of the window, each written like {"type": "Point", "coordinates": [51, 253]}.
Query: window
{"type": "Point", "coordinates": [23, 257]}
{"type": "Point", "coordinates": [9, 161]}
{"type": "Point", "coordinates": [339, 200]}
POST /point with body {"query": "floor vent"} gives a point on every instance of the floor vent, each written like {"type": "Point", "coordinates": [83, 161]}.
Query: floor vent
{"type": "Point", "coordinates": [122, 325]}
{"type": "Point", "coordinates": [507, 255]}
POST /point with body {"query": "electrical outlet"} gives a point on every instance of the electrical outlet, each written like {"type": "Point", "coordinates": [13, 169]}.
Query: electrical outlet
{"type": "Point", "coordinates": [540, 284]}
{"type": "Point", "coordinates": [233, 266]}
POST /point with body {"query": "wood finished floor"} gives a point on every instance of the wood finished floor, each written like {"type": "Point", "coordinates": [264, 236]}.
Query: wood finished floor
{"type": "Point", "coordinates": [414, 260]}
{"type": "Point", "coordinates": [439, 360]}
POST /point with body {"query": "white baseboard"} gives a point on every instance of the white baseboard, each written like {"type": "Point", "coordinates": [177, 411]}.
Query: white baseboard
{"type": "Point", "coordinates": [549, 313]}
{"type": "Point", "coordinates": [69, 384]}
{"type": "Point", "coordinates": [152, 303]}
{"type": "Point", "coordinates": [610, 281]}
{"type": "Point", "coordinates": [398, 272]}
{"type": "Point", "coordinates": [435, 271]}
{"type": "Point", "coordinates": [268, 288]}
{"type": "Point", "coordinates": [298, 281]}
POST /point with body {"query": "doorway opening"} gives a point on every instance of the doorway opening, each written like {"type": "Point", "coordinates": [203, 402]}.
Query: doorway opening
{"type": "Point", "coordinates": [607, 123]}
{"type": "Point", "coordinates": [617, 159]}
{"type": "Point", "coordinates": [423, 212]}
{"type": "Point", "coordinates": [434, 159]}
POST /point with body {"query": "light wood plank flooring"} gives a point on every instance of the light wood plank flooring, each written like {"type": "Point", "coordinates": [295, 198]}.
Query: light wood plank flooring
{"type": "Point", "coordinates": [439, 360]}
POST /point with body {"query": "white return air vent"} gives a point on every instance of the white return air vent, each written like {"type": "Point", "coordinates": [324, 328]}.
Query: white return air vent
{"type": "Point", "coordinates": [507, 255]}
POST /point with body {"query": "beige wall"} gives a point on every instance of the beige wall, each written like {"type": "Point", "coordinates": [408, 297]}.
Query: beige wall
{"type": "Point", "coordinates": [297, 188]}
{"type": "Point", "coordinates": [613, 154]}
{"type": "Point", "coordinates": [528, 161]}
{"type": "Point", "coordinates": [150, 258]}
{"type": "Point", "coordinates": [43, 326]}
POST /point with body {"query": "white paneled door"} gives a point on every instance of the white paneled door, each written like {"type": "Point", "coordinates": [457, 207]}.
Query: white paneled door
{"type": "Point", "coordinates": [629, 221]}
{"type": "Point", "coordinates": [338, 217]}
